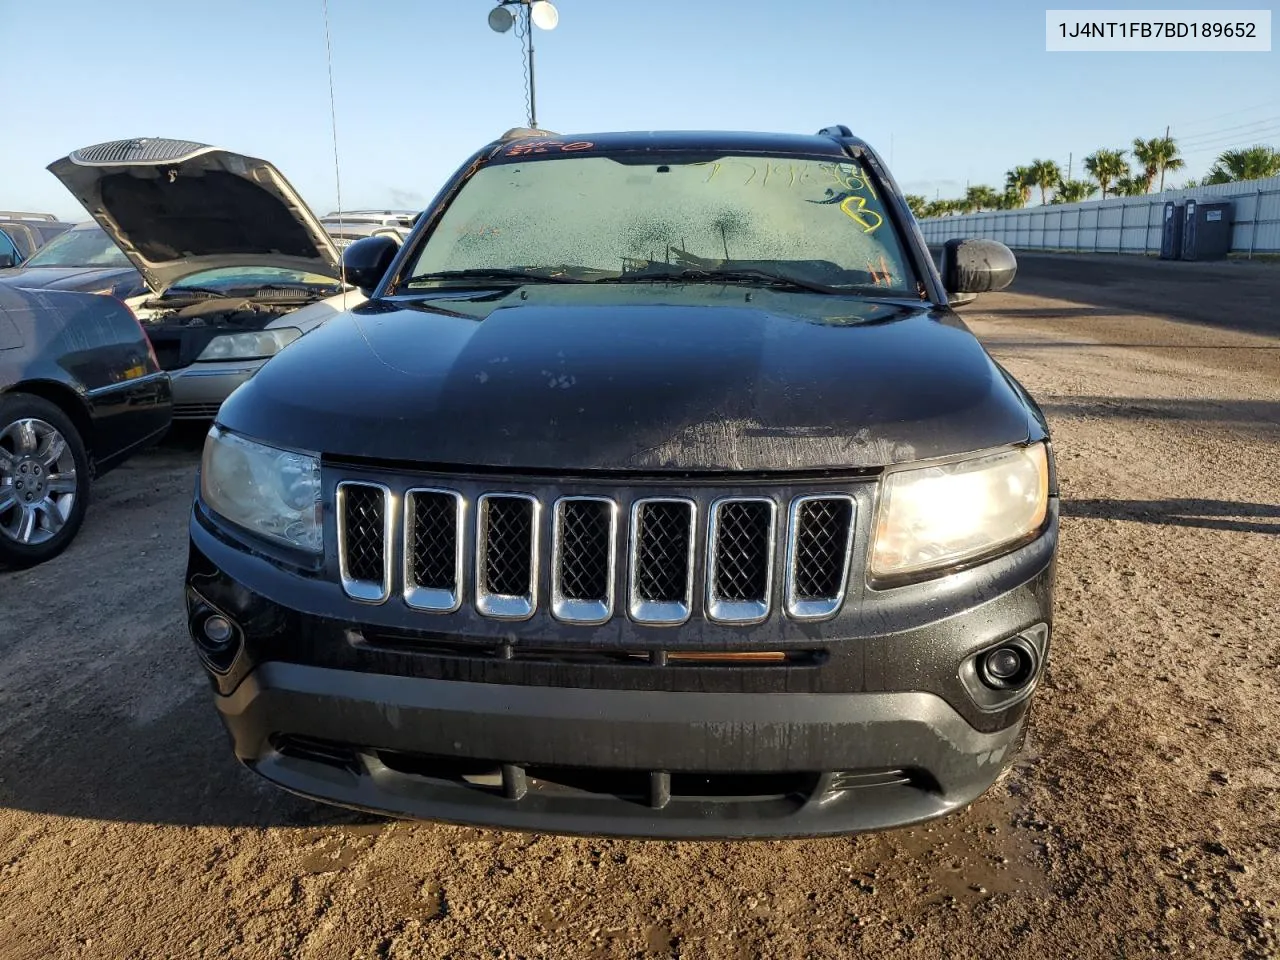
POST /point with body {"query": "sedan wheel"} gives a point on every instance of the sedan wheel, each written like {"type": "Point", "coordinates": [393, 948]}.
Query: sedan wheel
{"type": "Point", "coordinates": [37, 481]}
{"type": "Point", "coordinates": [43, 480]}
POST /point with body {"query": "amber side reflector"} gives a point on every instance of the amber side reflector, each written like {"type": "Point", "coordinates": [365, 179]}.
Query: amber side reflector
{"type": "Point", "coordinates": [770, 655]}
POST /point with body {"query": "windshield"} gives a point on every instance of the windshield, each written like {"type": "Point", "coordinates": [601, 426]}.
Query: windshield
{"type": "Point", "coordinates": [80, 247]}
{"type": "Point", "coordinates": [250, 278]}
{"type": "Point", "coordinates": [815, 221]}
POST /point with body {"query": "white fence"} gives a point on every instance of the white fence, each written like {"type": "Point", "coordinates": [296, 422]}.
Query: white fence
{"type": "Point", "coordinates": [1119, 224]}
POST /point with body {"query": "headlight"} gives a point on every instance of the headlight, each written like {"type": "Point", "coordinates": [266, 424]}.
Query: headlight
{"type": "Point", "coordinates": [933, 517]}
{"type": "Point", "coordinates": [253, 345]}
{"type": "Point", "coordinates": [270, 492]}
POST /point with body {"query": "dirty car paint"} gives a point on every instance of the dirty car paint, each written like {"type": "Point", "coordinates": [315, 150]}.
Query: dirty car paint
{"type": "Point", "coordinates": [654, 379]}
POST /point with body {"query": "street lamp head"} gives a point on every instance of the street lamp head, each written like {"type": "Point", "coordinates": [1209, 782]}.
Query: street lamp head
{"type": "Point", "coordinates": [500, 19]}
{"type": "Point", "coordinates": [544, 14]}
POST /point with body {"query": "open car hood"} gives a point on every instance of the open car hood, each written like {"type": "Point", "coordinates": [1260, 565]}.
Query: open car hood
{"type": "Point", "coordinates": [178, 208]}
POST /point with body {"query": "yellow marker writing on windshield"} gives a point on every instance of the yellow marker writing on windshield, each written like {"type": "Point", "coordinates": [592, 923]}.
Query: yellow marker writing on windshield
{"type": "Point", "coordinates": [854, 209]}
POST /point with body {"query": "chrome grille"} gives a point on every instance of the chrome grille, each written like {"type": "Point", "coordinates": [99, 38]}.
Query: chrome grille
{"type": "Point", "coordinates": [582, 560]}
{"type": "Point", "coordinates": [144, 150]}
{"type": "Point", "coordinates": [507, 555]}
{"type": "Point", "coordinates": [433, 549]}
{"type": "Point", "coordinates": [818, 548]}
{"type": "Point", "coordinates": [662, 538]}
{"type": "Point", "coordinates": [740, 560]}
{"type": "Point", "coordinates": [438, 556]}
{"type": "Point", "coordinates": [364, 536]}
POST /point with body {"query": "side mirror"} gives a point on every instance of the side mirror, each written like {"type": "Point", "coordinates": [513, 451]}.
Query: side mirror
{"type": "Point", "coordinates": [365, 261]}
{"type": "Point", "coordinates": [8, 260]}
{"type": "Point", "coordinates": [977, 266]}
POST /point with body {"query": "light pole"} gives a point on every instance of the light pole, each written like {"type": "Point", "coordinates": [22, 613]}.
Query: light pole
{"type": "Point", "coordinates": [537, 13]}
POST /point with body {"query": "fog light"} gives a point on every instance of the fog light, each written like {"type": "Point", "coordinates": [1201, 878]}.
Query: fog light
{"type": "Point", "coordinates": [1002, 664]}
{"type": "Point", "coordinates": [1010, 666]}
{"type": "Point", "coordinates": [217, 630]}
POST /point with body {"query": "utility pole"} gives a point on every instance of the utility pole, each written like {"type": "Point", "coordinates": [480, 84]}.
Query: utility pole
{"type": "Point", "coordinates": [1070, 157]}
{"type": "Point", "coordinates": [1166, 136]}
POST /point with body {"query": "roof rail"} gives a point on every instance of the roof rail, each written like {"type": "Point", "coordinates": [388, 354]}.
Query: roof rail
{"type": "Point", "coordinates": [17, 215]}
{"type": "Point", "coordinates": [839, 130]}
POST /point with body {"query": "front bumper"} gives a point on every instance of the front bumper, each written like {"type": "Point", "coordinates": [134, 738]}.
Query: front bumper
{"type": "Point", "coordinates": [435, 749]}
{"type": "Point", "coordinates": [199, 389]}
{"type": "Point", "coordinates": [370, 707]}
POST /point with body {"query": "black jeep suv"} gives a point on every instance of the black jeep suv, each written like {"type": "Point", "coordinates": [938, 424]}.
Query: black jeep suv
{"type": "Point", "coordinates": [656, 490]}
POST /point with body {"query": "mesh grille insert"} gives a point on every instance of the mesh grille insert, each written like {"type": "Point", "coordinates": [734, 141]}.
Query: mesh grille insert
{"type": "Point", "coordinates": [364, 516]}
{"type": "Point", "coordinates": [435, 540]}
{"type": "Point", "coordinates": [508, 545]}
{"type": "Point", "coordinates": [821, 547]}
{"type": "Point", "coordinates": [146, 149]}
{"type": "Point", "coordinates": [662, 551]}
{"type": "Point", "coordinates": [584, 546]}
{"type": "Point", "coordinates": [742, 554]}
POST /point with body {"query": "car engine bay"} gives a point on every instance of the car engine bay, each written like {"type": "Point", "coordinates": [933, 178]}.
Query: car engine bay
{"type": "Point", "coordinates": [181, 327]}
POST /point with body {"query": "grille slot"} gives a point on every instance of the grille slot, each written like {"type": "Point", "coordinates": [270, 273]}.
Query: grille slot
{"type": "Point", "coordinates": [507, 555]}
{"type": "Point", "coordinates": [661, 548]}
{"type": "Point", "coordinates": [740, 545]}
{"type": "Point", "coordinates": [364, 532]}
{"type": "Point", "coordinates": [433, 534]}
{"type": "Point", "coordinates": [818, 548]}
{"type": "Point", "coordinates": [582, 559]}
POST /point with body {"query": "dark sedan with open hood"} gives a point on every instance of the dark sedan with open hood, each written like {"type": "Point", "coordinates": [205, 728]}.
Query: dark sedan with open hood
{"type": "Point", "coordinates": [237, 267]}
{"type": "Point", "coordinates": [656, 490]}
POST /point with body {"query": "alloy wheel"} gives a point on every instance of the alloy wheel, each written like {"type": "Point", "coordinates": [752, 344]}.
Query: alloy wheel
{"type": "Point", "coordinates": [37, 481]}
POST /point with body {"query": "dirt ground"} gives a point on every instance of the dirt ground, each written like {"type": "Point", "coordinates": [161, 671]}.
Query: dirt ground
{"type": "Point", "coordinates": [1144, 818]}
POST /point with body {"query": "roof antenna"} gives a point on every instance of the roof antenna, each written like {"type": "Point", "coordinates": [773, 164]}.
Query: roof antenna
{"type": "Point", "coordinates": [333, 119]}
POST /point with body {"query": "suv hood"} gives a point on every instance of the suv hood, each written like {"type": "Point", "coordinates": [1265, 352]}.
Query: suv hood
{"type": "Point", "coordinates": [635, 379]}
{"type": "Point", "coordinates": [178, 208]}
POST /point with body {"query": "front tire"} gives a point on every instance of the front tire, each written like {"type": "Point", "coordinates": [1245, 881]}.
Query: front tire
{"type": "Point", "coordinates": [44, 480]}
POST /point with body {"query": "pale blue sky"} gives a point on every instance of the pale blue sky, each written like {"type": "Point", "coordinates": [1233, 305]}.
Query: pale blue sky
{"type": "Point", "coordinates": [955, 91]}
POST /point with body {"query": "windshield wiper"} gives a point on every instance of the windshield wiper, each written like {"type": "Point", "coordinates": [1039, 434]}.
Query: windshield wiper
{"type": "Point", "coordinates": [725, 276]}
{"type": "Point", "coordinates": [513, 276]}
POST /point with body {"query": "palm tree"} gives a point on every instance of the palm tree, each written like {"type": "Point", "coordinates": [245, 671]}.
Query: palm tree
{"type": "Point", "coordinates": [1072, 191]}
{"type": "Point", "coordinates": [939, 208]}
{"type": "Point", "coordinates": [981, 197]}
{"type": "Point", "coordinates": [1106, 166]}
{"type": "Point", "coordinates": [917, 203]}
{"type": "Point", "coordinates": [1144, 151]}
{"type": "Point", "coordinates": [1131, 186]}
{"type": "Point", "coordinates": [1157, 155]}
{"type": "Point", "coordinates": [1250, 163]}
{"type": "Point", "coordinates": [1018, 183]}
{"type": "Point", "coordinates": [1045, 175]}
